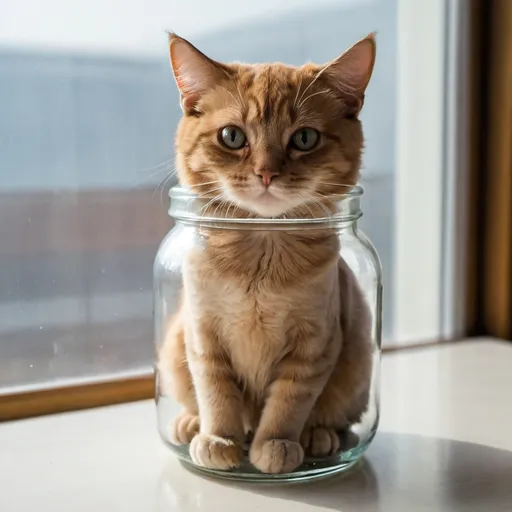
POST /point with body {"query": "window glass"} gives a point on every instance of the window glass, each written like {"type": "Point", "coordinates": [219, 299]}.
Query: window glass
{"type": "Point", "coordinates": [88, 110]}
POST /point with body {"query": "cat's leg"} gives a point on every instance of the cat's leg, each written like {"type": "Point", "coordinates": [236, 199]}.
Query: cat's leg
{"type": "Point", "coordinates": [300, 377]}
{"type": "Point", "coordinates": [175, 380]}
{"type": "Point", "coordinates": [219, 444]}
{"type": "Point", "coordinates": [340, 405]}
{"type": "Point", "coordinates": [346, 394]}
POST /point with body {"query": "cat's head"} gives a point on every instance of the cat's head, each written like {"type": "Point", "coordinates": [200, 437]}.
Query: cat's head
{"type": "Point", "coordinates": [269, 137]}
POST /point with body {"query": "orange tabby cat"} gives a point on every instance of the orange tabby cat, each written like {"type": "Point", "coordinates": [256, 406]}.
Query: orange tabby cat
{"type": "Point", "coordinates": [273, 334]}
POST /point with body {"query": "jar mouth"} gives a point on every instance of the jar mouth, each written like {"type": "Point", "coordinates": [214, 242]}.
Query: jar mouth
{"type": "Point", "coordinates": [189, 207]}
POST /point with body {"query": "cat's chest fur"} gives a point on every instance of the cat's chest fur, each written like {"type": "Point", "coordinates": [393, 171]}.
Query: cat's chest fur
{"type": "Point", "coordinates": [255, 290]}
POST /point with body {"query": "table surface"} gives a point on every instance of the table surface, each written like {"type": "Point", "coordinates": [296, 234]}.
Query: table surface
{"type": "Point", "coordinates": [444, 445]}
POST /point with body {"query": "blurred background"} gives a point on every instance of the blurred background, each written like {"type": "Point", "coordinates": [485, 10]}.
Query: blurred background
{"type": "Point", "coordinates": [88, 110]}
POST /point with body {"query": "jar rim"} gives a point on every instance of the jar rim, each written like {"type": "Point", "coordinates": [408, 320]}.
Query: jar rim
{"type": "Point", "coordinates": [188, 206]}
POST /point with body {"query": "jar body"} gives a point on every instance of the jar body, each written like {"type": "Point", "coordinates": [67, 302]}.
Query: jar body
{"type": "Point", "coordinates": [187, 238]}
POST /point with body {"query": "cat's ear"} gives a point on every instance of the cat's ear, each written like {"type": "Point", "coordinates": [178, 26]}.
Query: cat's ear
{"type": "Point", "coordinates": [194, 72]}
{"type": "Point", "coordinates": [350, 73]}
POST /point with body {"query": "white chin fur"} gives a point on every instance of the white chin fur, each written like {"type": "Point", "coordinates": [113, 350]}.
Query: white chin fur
{"type": "Point", "coordinates": [264, 204]}
{"type": "Point", "coordinates": [268, 207]}
{"type": "Point", "coordinates": [266, 211]}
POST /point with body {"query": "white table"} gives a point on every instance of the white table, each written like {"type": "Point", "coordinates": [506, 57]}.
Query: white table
{"type": "Point", "coordinates": [445, 444]}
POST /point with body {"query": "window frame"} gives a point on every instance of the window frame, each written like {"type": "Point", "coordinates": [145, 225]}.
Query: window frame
{"type": "Point", "coordinates": [432, 179]}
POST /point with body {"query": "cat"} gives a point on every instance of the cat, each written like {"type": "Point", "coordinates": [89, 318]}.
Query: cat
{"type": "Point", "coordinates": [272, 338]}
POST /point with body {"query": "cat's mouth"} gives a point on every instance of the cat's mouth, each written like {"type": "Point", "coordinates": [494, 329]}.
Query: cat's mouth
{"type": "Point", "coordinates": [266, 203]}
{"type": "Point", "coordinates": [268, 195]}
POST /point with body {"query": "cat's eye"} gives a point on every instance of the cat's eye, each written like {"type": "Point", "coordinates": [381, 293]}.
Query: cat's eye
{"type": "Point", "coordinates": [232, 137]}
{"type": "Point", "coordinates": [305, 139]}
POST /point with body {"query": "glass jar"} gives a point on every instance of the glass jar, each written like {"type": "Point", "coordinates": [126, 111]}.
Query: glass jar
{"type": "Point", "coordinates": [196, 226]}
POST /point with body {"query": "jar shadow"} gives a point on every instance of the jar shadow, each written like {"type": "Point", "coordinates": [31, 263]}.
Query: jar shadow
{"type": "Point", "coordinates": [400, 472]}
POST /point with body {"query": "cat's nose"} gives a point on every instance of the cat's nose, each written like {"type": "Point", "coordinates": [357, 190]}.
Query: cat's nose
{"type": "Point", "coordinates": [266, 176]}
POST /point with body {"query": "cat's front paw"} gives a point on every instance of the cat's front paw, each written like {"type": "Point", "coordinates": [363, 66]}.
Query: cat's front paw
{"type": "Point", "coordinates": [184, 428]}
{"type": "Point", "coordinates": [214, 452]}
{"type": "Point", "coordinates": [276, 456]}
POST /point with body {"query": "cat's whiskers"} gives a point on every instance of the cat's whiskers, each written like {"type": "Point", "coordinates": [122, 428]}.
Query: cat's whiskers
{"type": "Point", "coordinates": [310, 199]}
{"type": "Point", "coordinates": [208, 192]}
{"type": "Point", "coordinates": [229, 205]}
{"type": "Point", "coordinates": [225, 89]}
{"type": "Point", "coordinates": [326, 195]}
{"type": "Point", "coordinates": [159, 171]}
{"type": "Point", "coordinates": [219, 206]}
{"type": "Point", "coordinates": [297, 94]}
{"type": "Point", "coordinates": [162, 182]}
{"type": "Point", "coordinates": [207, 205]}
{"type": "Point", "coordinates": [234, 111]}
{"type": "Point", "coordinates": [226, 211]}
{"type": "Point", "coordinates": [244, 104]}
{"type": "Point", "coordinates": [205, 193]}
{"type": "Point", "coordinates": [324, 91]}
{"type": "Point", "coordinates": [157, 166]}
{"type": "Point", "coordinates": [208, 183]}
{"type": "Point", "coordinates": [169, 177]}
{"type": "Point", "coordinates": [322, 207]}
{"type": "Point", "coordinates": [239, 206]}
{"type": "Point", "coordinates": [170, 171]}
{"type": "Point", "coordinates": [345, 187]}
{"type": "Point", "coordinates": [318, 75]}
{"type": "Point", "coordinates": [326, 198]}
{"type": "Point", "coordinates": [144, 180]}
{"type": "Point", "coordinates": [309, 210]}
{"type": "Point", "coordinates": [335, 184]}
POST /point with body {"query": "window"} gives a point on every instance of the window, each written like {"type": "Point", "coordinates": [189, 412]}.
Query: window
{"type": "Point", "coordinates": [87, 114]}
